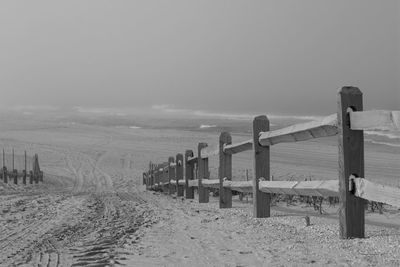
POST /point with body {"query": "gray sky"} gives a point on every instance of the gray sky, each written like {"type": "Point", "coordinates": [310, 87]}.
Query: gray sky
{"type": "Point", "coordinates": [285, 56]}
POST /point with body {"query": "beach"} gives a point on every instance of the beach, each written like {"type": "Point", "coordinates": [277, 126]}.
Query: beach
{"type": "Point", "coordinates": [93, 210]}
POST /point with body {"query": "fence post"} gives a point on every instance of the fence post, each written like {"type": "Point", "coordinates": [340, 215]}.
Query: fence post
{"type": "Point", "coordinates": [157, 177]}
{"type": "Point", "coordinates": [164, 176]}
{"type": "Point", "coordinates": [224, 171]}
{"type": "Point", "coordinates": [351, 162]}
{"type": "Point", "coordinates": [189, 191]}
{"type": "Point", "coordinates": [161, 173]}
{"type": "Point", "coordinates": [24, 177]}
{"type": "Point", "coordinates": [4, 168]}
{"type": "Point", "coordinates": [171, 175]}
{"type": "Point", "coordinates": [15, 175]}
{"type": "Point", "coordinates": [24, 171]}
{"type": "Point", "coordinates": [31, 177]}
{"type": "Point", "coordinates": [152, 177]}
{"type": "Point", "coordinates": [5, 175]}
{"type": "Point", "coordinates": [202, 172]}
{"type": "Point", "coordinates": [261, 200]}
{"type": "Point", "coordinates": [179, 174]}
{"type": "Point", "coordinates": [160, 176]}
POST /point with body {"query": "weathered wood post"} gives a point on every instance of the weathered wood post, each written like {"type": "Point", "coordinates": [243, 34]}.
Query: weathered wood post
{"type": "Point", "coordinates": [224, 171]}
{"type": "Point", "coordinates": [202, 166]}
{"type": "Point", "coordinates": [152, 176]}
{"type": "Point", "coordinates": [5, 175]}
{"type": "Point", "coordinates": [157, 177]}
{"type": "Point", "coordinates": [165, 177]}
{"type": "Point", "coordinates": [261, 200]}
{"type": "Point", "coordinates": [14, 171]}
{"type": "Point", "coordinates": [171, 175]}
{"type": "Point", "coordinates": [31, 177]}
{"type": "Point", "coordinates": [36, 168]}
{"type": "Point", "coordinates": [24, 172]}
{"type": "Point", "coordinates": [24, 177]}
{"type": "Point", "coordinates": [4, 170]}
{"type": "Point", "coordinates": [179, 174]}
{"type": "Point", "coordinates": [351, 162]}
{"type": "Point", "coordinates": [189, 174]}
{"type": "Point", "coordinates": [15, 176]}
{"type": "Point", "coordinates": [160, 176]}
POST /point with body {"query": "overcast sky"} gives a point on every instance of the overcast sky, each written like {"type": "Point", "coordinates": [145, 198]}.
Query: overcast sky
{"type": "Point", "coordinates": [284, 56]}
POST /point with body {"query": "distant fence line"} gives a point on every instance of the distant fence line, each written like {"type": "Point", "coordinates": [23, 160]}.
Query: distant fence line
{"type": "Point", "coordinates": [177, 175]}
{"type": "Point", "coordinates": [9, 172]}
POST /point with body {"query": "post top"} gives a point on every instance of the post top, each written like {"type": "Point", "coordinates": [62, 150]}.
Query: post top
{"type": "Point", "coordinates": [261, 118]}
{"type": "Point", "coordinates": [350, 90]}
{"type": "Point", "coordinates": [225, 136]}
{"type": "Point", "coordinates": [202, 145]}
{"type": "Point", "coordinates": [189, 153]}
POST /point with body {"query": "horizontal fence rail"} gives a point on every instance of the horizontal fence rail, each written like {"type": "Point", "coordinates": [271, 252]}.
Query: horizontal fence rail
{"type": "Point", "coordinates": [375, 192]}
{"type": "Point", "coordinates": [189, 171]}
{"type": "Point", "coordinates": [240, 147]}
{"type": "Point", "coordinates": [324, 127]}
{"type": "Point", "coordinates": [328, 188]}
{"type": "Point", "coordinates": [375, 120]}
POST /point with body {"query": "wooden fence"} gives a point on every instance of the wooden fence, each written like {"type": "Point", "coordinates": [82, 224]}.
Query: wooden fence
{"type": "Point", "coordinates": [35, 175]}
{"type": "Point", "coordinates": [351, 187]}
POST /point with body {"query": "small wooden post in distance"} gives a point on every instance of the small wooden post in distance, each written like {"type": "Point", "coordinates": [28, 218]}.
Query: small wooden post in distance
{"type": "Point", "coordinates": [171, 175]}
{"type": "Point", "coordinates": [189, 174]}
{"type": "Point", "coordinates": [15, 175]}
{"type": "Point", "coordinates": [24, 171]}
{"type": "Point", "coordinates": [202, 173]}
{"type": "Point", "coordinates": [179, 174]}
{"type": "Point", "coordinates": [24, 177]}
{"type": "Point", "coordinates": [261, 200]}
{"type": "Point", "coordinates": [4, 170]}
{"type": "Point", "coordinates": [152, 179]}
{"type": "Point", "coordinates": [351, 162]}
{"type": "Point", "coordinates": [5, 175]}
{"type": "Point", "coordinates": [31, 177]}
{"type": "Point", "coordinates": [164, 176]}
{"type": "Point", "coordinates": [158, 177]}
{"type": "Point", "coordinates": [224, 171]}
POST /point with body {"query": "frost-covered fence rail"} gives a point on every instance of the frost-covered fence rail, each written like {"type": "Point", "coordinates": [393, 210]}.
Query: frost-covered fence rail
{"type": "Point", "coordinates": [11, 174]}
{"type": "Point", "coordinates": [348, 124]}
